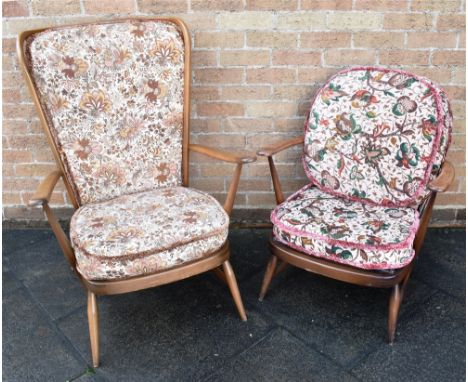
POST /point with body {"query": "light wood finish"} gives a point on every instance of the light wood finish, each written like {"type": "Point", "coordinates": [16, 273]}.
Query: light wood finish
{"type": "Point", "coordinates": [279, 196]}
{"type": "Point", "coordinates": [165, 277]}
{"type": "Point", "coordinates": [45, 189]}
{"type": "Point", "coordinates": [269, 273]}
{"type": "Point", "coordinates": [93, 322]}
{"type": "Point", "coordinates": [62, 238]}
{"type": "Point", "coordinates": [283, 145]}
{"type": "Point", "coordinates": [269, 152]}
{"type": "Point", "coordinates": [226, 157]}
{"type": "Point", "coordinates": [210, 262]}
{"type": "Point", "coordinates": [444, 179]}
{"type": "Point", "coordinates": [222, 155]}
{"type": "Point", "coordinates": [395, 279]}
{"type": "Point", "coordinates": [232, 283]}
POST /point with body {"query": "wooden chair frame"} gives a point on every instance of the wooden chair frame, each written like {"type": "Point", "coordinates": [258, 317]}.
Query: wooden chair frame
{"type": "Point", "coordinates": [218, 261]}
{"type": "Point", "coordinates": [396, 279]}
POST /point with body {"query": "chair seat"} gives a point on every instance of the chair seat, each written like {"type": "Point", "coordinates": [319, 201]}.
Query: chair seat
{"type": "Point", "coordinates": [347, 232]}
{"type": "Point", "coordinates": [146, 232]}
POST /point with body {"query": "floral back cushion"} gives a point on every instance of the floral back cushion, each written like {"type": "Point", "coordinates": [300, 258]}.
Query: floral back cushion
{"type": "Point", "coordinates": [113, 97]}
{"type": "Point", "coordinates": [377, 135]}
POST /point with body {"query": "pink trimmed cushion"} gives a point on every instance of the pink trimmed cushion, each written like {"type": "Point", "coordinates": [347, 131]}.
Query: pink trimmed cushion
{"type": "Point", "coordinates": [377, 135]}
{"type": "Point", "coordinates": [113, 96]}
{"type": "Point", "coordinates": [146, 232]}
{"type": "Point", "coordinates": [347, 232]}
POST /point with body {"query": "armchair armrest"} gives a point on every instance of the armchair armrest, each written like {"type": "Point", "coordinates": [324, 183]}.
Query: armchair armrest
{"type": "Point", "coordinates": [269, 152]}
{"type": "Point", "coordinates": [44, 191]}
{"type": "Point", "coordinates": [222, 155]}
{"type": "Point", "coordinates": [231, 158]}
{"type": "Point", "coordinates": [444, 179]}
{"type": "Point", "coordinates": [274, 149]}
{"type": "Point", "coordinates": [41, 198]}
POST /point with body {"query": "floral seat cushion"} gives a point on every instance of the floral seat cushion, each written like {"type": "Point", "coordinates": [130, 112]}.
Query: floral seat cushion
{"type": "Point", "coordinates": [146, 232]}
{"type": "Point", "coordinates": [347, 232]}
{"type": "Point", "coordinates": [113, 93]}
{"type": "Point", "coordinates": [377, 135]}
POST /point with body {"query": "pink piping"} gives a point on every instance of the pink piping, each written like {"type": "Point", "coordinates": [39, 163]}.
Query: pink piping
{"type": "Point", "coordinates": [435, 145]}
{"type": "Point", "coordinates": [338, 259]}
{"type": "Point", "coordinates": [386, 247]}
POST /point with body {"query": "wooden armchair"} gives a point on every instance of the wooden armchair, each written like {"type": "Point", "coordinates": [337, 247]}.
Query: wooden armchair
{"type": "Point", "coordinates": [114, 100]}
{"type": "Point", "coordinates": [374, 149]}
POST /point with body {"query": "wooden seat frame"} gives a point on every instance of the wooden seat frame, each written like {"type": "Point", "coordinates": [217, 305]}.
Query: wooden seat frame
{"type": "Point", "coordinates": [217, 261]}
{"type": "Point", "coordinates": [396, 279]}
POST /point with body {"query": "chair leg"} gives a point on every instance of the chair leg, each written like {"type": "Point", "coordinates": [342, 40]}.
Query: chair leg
{"type": "Point", "coordinates": [220, 274]}
{"type": "Point", "coordinates": [396, 298]}
{"type": "Point", "coordinates": [270, 271]}
{"type": "Point", "coordinates": [93, 322]}
{"type": "Point", "coordinates": [232, 283]}
{"type": "Point", "coordinates": [393, 309]}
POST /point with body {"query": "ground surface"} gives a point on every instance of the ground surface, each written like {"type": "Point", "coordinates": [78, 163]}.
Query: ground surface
{"type": "Point", "coordinates": [308, 328]}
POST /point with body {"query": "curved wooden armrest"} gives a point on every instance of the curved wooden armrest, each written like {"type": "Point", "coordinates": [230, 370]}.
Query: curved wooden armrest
{"type": "Point", "coordinates": [222, 155]}
{"type": "Point", "coordinates": [444, 179]}
{"type": "Point", "coordinates": [272, 150]}
{"type": "Point", "coordinates": [44, 191]}
{"type": "Point", "coordinates": [227, 157]}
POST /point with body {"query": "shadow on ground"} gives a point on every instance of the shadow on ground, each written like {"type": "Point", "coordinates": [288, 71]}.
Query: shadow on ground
{"type": "Point", "coordinates": [308, 328]}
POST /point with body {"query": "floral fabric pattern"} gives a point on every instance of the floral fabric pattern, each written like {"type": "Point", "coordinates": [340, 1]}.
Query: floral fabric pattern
{"type": "Point", "coordinates": [348, 232]}
{"type": "Point", "coordinates": [377, 135]}
{"type": "Point", "coordinates": [146, 232]}
{"type": "Point", "coordinates": [113, 97]}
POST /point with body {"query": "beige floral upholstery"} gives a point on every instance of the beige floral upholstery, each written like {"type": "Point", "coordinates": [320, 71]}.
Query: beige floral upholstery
{"type": "Point", "coordinates": [146, 232]}
{"type": "Point", "coordinates": [113, 96]}
{"type": "Point", "coordinates": [377, 135]}
{"type": "Point", "coordinates": [348, 232]}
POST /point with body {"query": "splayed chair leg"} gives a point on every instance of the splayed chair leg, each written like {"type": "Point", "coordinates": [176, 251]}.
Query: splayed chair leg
{"type": "Point", "coordinates": [93, 321]}
{"type": "Point", "coordinates": [396, 298]}
{"type": "Point", "coordinates": [232, 283]}
{"type": "Point", "coordinates": [269, 273]}
{"type": "Point", "coordinates": [393, 310]}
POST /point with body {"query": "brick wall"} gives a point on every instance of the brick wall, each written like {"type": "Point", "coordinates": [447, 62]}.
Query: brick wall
{"type": "Point", "coordinates": [256, 65]}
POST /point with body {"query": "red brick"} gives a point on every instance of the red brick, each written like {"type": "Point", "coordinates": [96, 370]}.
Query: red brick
{"type": "Point", "coordinates": [162, 6]}
{"type": "Point", "coordinates": [332, 5]}
{"type": "Point", "coordinates": [294, 57]}
{"type": "Point", "coordinates": [271, 75]}
{"type": "Point", "coordinates": [448, 57]}
{"type": "Point", "coordinates": [218, 75]}
{"type": "Point", "coordinates": [52, 7]}
{"type": "Point", "coordinates": [108, 6]}
{"type": "Point", "coordinates": [381, 5]}
{"type": "Point", "coordinates": [14, 8]}
{"type": "Point", "coordinates": [217, 5]}
{"type": "Point", "coordinates": [211, 109]}
{"type": "Point", "coordinates": [317, 40]}
{"type": "Point", "coordinates": [271, 5]}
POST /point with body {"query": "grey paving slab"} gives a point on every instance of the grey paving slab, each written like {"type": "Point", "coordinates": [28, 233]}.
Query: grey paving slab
{"type": "Point", "coordinates": [43, 269]}
{"type": "Point", "coordinates": [9, 281]}
{"type": "Point", "coordinates": [178, 331]}
{"type": "Point", "coordinates": [281, 357]}
{"type": "Point", "coordinates": [14, 239]}
{"type": "Point", "coordinates": [249, 252]}
{"type": "Point", "coordinates": [442, 262]}
{"type": "Point", "coordinates": [430, 346]}
{"type": "Point", "coordinates": [32, 350]}
{"type": "Point", "coordinates": [190, 330]}
{"type": "Point", "coordinates": [340, 319]}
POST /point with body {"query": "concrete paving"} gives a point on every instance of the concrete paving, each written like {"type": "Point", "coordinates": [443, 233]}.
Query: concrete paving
{"type": "Point", "coordinates": [308, 328]}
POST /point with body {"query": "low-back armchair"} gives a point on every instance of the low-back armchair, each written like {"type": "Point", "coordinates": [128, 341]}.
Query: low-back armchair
{"type": "Point", "coordinates": [374, 149]}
